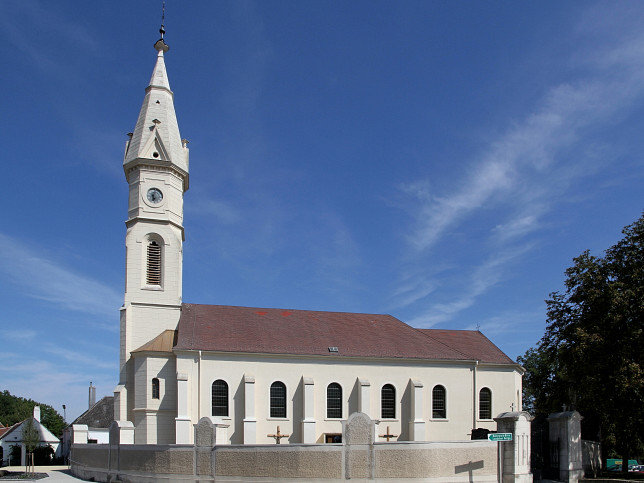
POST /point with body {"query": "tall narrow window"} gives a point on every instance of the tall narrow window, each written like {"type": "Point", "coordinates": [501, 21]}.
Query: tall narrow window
{"type": "Point", "coordinates": [154, 264]}
{"type": "Point", "coordinates": [334, 400]}
{"type": "Point", "coordinates": [278, 400]}
{"type": "Point", "coordinates": [439, 407]}
{"type": "Point", "coordinates": [219, 398]}
{"type": "Point", "coordinates": [155, 388]}
{"type": "Point", "coordinates": [388, 402]}
{"type": "Point", "coordinates": [485, 404]}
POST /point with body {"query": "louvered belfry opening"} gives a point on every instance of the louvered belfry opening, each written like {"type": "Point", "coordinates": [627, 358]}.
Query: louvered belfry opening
{"type": "Point", "coordinates": [154, 264]}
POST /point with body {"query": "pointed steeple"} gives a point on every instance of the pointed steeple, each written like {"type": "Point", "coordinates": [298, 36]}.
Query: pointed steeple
{"type": "Point", "coordinates": [156, 138]}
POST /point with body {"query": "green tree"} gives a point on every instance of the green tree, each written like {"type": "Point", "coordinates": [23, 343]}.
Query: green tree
{"type": "Point", "coordinates": [14, 409]}
{"type": "Point", "coordinates": [31, 439]}
{"type": "Point", "coordinates": [591, 355]}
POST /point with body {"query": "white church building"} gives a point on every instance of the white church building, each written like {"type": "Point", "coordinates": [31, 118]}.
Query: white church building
{"type": "Point", "coordinates": [257, 369]}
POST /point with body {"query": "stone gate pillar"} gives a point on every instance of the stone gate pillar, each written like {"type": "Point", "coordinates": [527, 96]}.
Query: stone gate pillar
{"type": "Point", "coordinates": [79, 433]}
{"type": "Point", "coordinates": [515, 454]}
{"type": "Point", "coordinates": [121, 432]}
{"type": "Point", "coordinates": [565, 440]}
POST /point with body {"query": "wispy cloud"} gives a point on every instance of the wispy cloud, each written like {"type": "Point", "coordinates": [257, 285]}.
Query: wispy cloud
{"type": "Point", "coordinates": [223, 211]}
{"type": "Point", "coordinates": [480, 280]}
{"type": "Point", "coordinates": [10, 336]}
{"type": "Point", "coordinates": [524, 173]}
{"type": "Point", "coordinates": [42, 380]}
{"type": "Point", "coordinates": [52, 282]}
{"type": "Point", "coordinates": [87, 360]}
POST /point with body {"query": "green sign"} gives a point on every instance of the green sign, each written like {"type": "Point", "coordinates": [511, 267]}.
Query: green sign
{"type": "Point", "coordinates": [500, 436]}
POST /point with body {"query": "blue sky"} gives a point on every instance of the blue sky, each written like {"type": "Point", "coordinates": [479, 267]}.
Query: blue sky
{"type": "Point", "coordinates": [442, 162]}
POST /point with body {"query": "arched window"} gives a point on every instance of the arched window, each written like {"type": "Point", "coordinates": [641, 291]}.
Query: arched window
{"type": "Point", "coordinates": [485, 403]}
{"type": "Point", "coordinates": [153, 273]}
{"type": "Point", "coordinates": [219, 398]}
{"type": "Point", "coordinates": [439, 406]}
{"type": "Point", "coordinates": [388, 402]}
{"type": "Point", "coordinates": [155, 388]}
{"type": "Point", "coordinates": [278, 400]}
{"type": "Point", "coordinates": [334, 400]}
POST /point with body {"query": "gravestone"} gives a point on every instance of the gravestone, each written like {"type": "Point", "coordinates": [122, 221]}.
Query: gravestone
{"type": "Point", "coordinates": [358, 437]}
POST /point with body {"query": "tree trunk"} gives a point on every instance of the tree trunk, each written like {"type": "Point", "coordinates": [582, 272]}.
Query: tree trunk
{"type": "Point", "coordinates": [625, 459]}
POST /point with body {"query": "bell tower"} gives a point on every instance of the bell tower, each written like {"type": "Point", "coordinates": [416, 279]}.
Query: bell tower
{"type": "Point", "coordinates": [156, 169]}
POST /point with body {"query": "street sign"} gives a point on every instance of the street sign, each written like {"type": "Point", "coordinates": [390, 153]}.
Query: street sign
{"type": "Point", "coordinates": [500, 436]}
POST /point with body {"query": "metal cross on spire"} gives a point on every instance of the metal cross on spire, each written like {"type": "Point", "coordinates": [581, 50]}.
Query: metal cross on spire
{"type": "Point", "coordinates": [162, 29]}
{"type": "Point", "coordinates": [160, 44]}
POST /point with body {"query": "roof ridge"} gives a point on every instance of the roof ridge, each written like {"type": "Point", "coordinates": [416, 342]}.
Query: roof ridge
{"type": "Point", "coordinates": [295, 310]}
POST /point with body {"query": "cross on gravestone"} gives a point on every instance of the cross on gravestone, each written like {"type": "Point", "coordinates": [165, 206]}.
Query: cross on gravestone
{"type": "Point", "coordinates": [278, 436]}
{"type": "Point", "coordinates": [388, 435]}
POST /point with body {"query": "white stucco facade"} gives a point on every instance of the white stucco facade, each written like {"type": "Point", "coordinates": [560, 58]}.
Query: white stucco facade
{"type": "Point", "coordinates": [164, 391]}
{"type": "Point", "coordinates": [361, 382]}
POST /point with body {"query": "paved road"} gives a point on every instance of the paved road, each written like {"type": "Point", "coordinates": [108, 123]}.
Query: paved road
{"type": "Point", "coordinates": [56, 474]}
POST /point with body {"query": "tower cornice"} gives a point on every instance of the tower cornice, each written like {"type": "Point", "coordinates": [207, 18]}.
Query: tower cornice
{"type": "Point", "coordinates": [132, 221]}
{"type": "Point", "coordinates": [157, 165]}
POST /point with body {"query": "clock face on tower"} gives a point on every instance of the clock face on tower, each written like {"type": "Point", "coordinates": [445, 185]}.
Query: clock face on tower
{"type": "Point", "coordinates": [154, 195]}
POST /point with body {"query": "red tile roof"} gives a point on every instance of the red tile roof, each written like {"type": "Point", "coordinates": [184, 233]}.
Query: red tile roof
{"type": "Point", "coordinates": [4, 429]}
{"type": "Point", "coordinates": [472, 343]}
{"type": "Point", "coordinates": [304, 332]}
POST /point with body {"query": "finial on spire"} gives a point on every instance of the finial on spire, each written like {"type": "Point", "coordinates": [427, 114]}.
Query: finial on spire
{"type": "Point", "coordinates": [160, 44]}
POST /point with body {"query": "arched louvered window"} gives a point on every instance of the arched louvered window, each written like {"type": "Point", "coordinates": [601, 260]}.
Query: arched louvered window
{"type": "Point", "coordinates": [278, 400]}
{"type": "Point", "coordinates": [219, 398]}
{"type": "Point", "coordinates": [155, 388]}
{"type": "Point", "coordinates": [153, 273]}
{"type": "Point", "coordinates": [388, 402]}
{"type": "Point", "coordinates": [334, 400]}
{"type": "Point", "coordinates": [439, 405]}
{"type": "Point", "coordinates": [485, 403]}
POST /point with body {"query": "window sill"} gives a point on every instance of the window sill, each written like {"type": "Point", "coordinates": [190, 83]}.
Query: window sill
{"type": "Point", "coordinates": [389, 420]}
{"type": "Point", "coordinates": [277, 419]}
{"type": "Point", "coordinates": [155, 288]}
{"type": "Point", "coordinates": [439, 420]}
{"type": "Point", "coordinates": [485, 420]}
{"type": "Point", "coordinates": [334, 419]}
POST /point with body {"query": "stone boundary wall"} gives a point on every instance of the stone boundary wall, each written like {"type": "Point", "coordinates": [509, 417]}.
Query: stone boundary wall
{"type": "Point", "coordinates": [357, 457]}
{"type": "Point", "coordinates": [449, 461]}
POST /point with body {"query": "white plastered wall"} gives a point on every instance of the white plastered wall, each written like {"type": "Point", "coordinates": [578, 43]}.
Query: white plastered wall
{"type": "Point", "coordinates": [457, 378]}
{"type": "Point", "coordinates": [154, 418]}
{"type": "Point", "coordinates": [504, 382]}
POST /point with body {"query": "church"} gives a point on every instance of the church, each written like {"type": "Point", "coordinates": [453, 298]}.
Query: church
{"type": "Point", "coordinates": [273, 375]}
